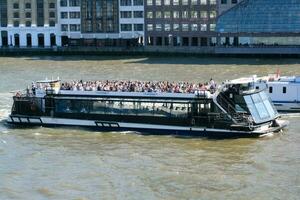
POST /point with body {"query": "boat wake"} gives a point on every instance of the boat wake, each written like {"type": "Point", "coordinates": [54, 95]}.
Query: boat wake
{"type": "Point", "coordinates": [5, 105]}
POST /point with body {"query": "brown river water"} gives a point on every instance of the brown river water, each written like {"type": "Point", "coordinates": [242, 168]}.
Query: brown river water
{"type": "Point", "coordinates": [70, 163]}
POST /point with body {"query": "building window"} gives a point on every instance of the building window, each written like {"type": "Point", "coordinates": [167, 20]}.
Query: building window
{"type": "Point", "coordinates": [185, 27]}
{"type": "Point", "coordinates": [16, 23]}
{"type": "Point", "coordinates": [185, 2]}
{"type": "Point", "coordinates": [138, 2]}
{"type": "Point", "coordinates": [28, 23]}
{"type": "Point", "coordinates": [203, 14]}
{"type": "Point", "coordinates": [175, 27]}
{"type": "Point", "coordinates": [138, 14]}
{"type": "Point", "coordinates": [28, 15]}
{"type": "Point", "coordinates": [158, 2]}
{"type": "Point", "coordinates": [167, 27]}
{"type": "Point", "coordinates": [184, 14]}
{"type": "Point", "coordinates": [234, 1]}
{"type": "Point", "coordinates": [74, 15]}
{"type": "Point", "coordinates": [149, 2]}
{"type": "Point", "coordinates": [194, 27]}
{"type": "Point", "coordinates": [40, 13]}
{"type": "Point", "coordinates": [99, 10]}
{"type": "Point", "coordinates": [203, 2]}
{"type": "Point", "coordinates": [138, 27]}
{"type": "Point", "coordinates": [167, 2]}
{"type": "Point", "coordinates": [223, 1]}
{"type": "Point", "coordinates": [63, 3]}
{"type": "Point", "coordinates": [284, 90]}
{"type": "Point", "coordinates": [52, 14]}
{"type": "Point", "coordinates": [74, 27]}
{"type": "Point", "coordinates": [51, 5]}
{"type": "Point", "coordinates": [125, 2]}
{"type": "Point", "coordinates": [64, 27]}
{"type": "Point", "coordinates": [28, 6]}
{"type": "Point", "coordinates": [158, 27]}
{"type": "Point", "coordinates": [270, 90]}
{"type": "Point", "coordinates": [74, 3]}
{"type": "Point", "coordinates": [175, 2]}
{"type": "Point", "coordinates": [52, 23]}
{"type": "Point", "coordinates": [89, 27]}
{"type": "Point", "coordinates": [126, 14]}
{"type": "Point", "coordinates": [203, 27]}
{"type": "Point", "coordinates": [213, 2]}
{"type": "Point", "coordinates": [158, 14]}
{"type": "Point", "coordinates": [167, 14]}
{"type": "Point", "coordinates": [16, 14]}
{"type": "Point", "coordinates": [213, 14]}
{"type": "Point", "coordinates": [175, 14]}
{"type": "Point", "coordinates": [150, 15]}
{"type": "Point", "coordinates": [194, 14]}
{"type": "Point", "coordinates": [194, 2]}
{"type": "Point", "coordinates": [64, 15]}
{"type": "Point", "coordinates": [16, 5]}
{"type": "Point", "coordinates": [212, 27]}
{"type": "Point", "coordinates": [150, 27]}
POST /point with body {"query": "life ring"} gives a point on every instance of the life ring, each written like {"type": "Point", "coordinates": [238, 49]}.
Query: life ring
{"type": "Point", "coordinates": [250, 126]}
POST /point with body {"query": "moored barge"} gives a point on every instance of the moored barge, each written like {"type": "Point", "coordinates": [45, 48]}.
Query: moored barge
{"type": "Point", "coordinates": [235, 109]}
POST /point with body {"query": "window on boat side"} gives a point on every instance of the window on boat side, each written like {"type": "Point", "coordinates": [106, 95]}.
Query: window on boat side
{"type": "Point", "coordinates": [72, 106]}
{"type": "Point", "coordinates": [260, 107]}
{"type": "Point", "coordinates": [270, 90]}
{"type": "Point", "coordinates": [267, 102]}
{"type": "Point", "coordinates": [140, 108]}
{"type": "Point", "coordinates": [284, 90]}
{"type": "Point", "coordinates": [262, 111]}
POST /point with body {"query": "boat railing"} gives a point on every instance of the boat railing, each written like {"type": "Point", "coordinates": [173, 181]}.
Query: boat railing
{"type": "Point", "coordinates": [228, 106]}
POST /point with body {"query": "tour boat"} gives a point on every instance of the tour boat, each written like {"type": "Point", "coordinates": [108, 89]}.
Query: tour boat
{"type": "Point", "coordinates": [284, 91]}
{"type": "Point", "coordinates": [235, 109]}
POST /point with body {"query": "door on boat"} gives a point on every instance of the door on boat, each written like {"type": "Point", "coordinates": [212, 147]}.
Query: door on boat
{"type": "Point", "coordinates": [200, 112]}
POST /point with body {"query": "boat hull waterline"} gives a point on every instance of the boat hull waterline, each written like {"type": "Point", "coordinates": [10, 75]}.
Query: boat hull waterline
{"type": "Point", "coordinates": [143, 129]}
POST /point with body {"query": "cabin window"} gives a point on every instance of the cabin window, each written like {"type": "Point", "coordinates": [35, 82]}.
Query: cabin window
{"type": "Point", "coordinates": [260, 107]}
{"type": "Point", "coordinates": [270, 90]}
{"type": "Point", "coordinates": [72, 106]}
{"type": "Point", "coordinates": [284, 90]}
{"type": "Point", "coordinates": [142, 108]}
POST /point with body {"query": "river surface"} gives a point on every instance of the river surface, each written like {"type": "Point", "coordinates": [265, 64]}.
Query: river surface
{"type": "Point", "coordinates": [45, 163]}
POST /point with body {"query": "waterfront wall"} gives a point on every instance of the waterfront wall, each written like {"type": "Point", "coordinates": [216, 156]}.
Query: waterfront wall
{"type": "Point", "coordinates": [153, 50]}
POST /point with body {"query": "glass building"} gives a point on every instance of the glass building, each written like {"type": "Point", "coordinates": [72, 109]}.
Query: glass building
{"type": "Point", "coordinates": [261, 22]}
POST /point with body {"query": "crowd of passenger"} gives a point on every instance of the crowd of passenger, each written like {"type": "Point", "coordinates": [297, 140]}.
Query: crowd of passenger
{"type": "Point", "coordinates": [139, 86]}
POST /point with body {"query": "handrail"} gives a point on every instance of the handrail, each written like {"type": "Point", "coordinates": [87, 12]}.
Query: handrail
{"type": "Point", "coordinates": [227, 105]}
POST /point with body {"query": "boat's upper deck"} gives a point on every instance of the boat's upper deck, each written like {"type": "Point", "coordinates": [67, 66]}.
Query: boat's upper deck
{"type": "Point", "coordinates": [124, 89]}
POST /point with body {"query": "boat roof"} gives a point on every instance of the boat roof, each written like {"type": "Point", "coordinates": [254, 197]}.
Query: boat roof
{"type": "Point", "coordinates": [280, 79]}
{"type": "Point", "coordinates": [243, 80]}
{"type": "Point", "coordinates": [48, 81]}
{"type": "Point", "coordinates": [203, 94]}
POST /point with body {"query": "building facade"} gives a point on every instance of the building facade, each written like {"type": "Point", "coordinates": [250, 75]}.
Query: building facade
{"type": "Point", "coordinates": [256, 23]}
{"type": "Point", "coordinates": [159, 23]}
{"type": "Point", "coordinates": [69, 20]}
{"type": "Point", "coordinates": [101, 22]}
{"type": "Point", "coordinates": [180, 22]}
{"type": "Point", "coordinates": [29, 23]}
